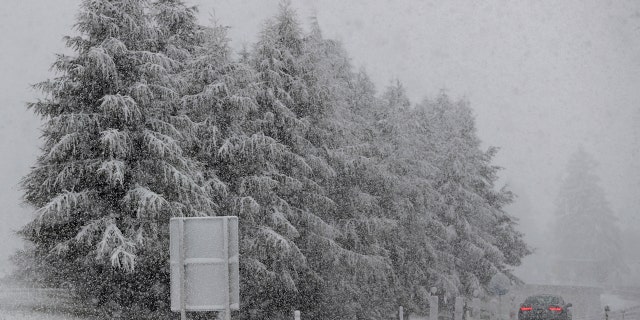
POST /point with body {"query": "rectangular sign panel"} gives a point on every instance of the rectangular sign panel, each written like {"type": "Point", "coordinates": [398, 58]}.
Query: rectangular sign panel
{"type": "Point", "coordinates": [204, 260]}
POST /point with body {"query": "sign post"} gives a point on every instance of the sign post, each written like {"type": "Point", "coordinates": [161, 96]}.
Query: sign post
{"type": "Point", "coordinates": [204, 260]}
{"type": "Point", "coordinates": [475, 305]}
{"type": "Point", "coordinates": [499, 284]}
{"type": "Point", "coordinates": [458, 308]}
{"type": "Point", "coordinates": [433, 304]}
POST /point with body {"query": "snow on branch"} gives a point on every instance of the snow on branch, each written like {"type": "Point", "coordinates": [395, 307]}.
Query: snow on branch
{"type": "Point", "coordinates": [275, 242]}
{"type": "Point", "coordinates": [59, 176]}
{"type": "Point", "coordinates": [89, 230]}
{"type": "Point", "coordinates": [372, 225]}
{"type": "Point", "coordinates": [288, 281]}
{"type": "Point", "coordinates": [44, 108]}
{"type": "Point", "coordinates": [114, 46]}
{"type": "Point", "coordinates": [164, 127]}
{"type": "Point", "coordinates": [246, 207]}
{"type": "Point", "coordinates": [256, 185]}
{"type": "Point", "coordinates": [320, 166]}
{"type": "Point", "coordinates": [218, 186]}
{"type": "Point", "coordinates": [64, 63]}
{"type": "Point", "coordinates": [201, 100]}
{"type": "Point", "coordinates": [120, 107]}
{"type": "Point", "coordinates": [256, 143]}
{"type": "Point", "coordinates": [115, 142]}
{"type": "Point", "coordinates": [159, 59]}
{"type": "Point", "coordinates": [216, 89]}
{"type": "Point", "coordinates": [141, 92]}
{"type": "Point", "coordinates": [208, 135]}
{"type": "Point", "coordinates": [287, 183]}
{"type": "Point", "coordinates": [312, 186]}
{"type": "Point", "coordinates": [371, 266]}
{"type": "Point", "coordinates": [145, 201]}
{"type": "Point", "coordinates": [118, 247]}
{"type": "Point", "coordinates": [448, 282]}
{"type": "Point", "coordinates": [60, 206]}
{"type": "Point", "coordinates": [298, 163]}
{"type": "Point", "coordinates": [318, 225]}
{"type": "Point", "coordinates": [65, 146]}
{"type": "Point", "coordinates": [280, 220]}
{"type": "Point", "coordinates": [114, 171]}
{"type": "Point", "coordinates": [76, 42]}
{"type": "Point", "coordinates": [163, 92]}
{"type": "Point", "coordinates": [73, 122]}
{"type": "Point", "coordinates": [161, 145]}
{"type": "Point", "coordinates": [318, 201]}
{"type": "Point", "coordinates": [473, 253]}
{"type": "Point", "coordinates": [152, 70]}
{"type": "Point", "coordinates": [285, 115]}
{"type": "Point", "coordinates": [188, 191]}
{"type": "Point", "coordinates": [364, 200]}
{"type": "Point", "coordinates": [176, 52]}
{"type": "Point", "coordinates": [57, 90]}
{"type": "Point", "coordinates": [102, 63]}
{"type": "Point", "coordinates": [244, 104]}
{"type": "Point", "coordinates": [121, 258]}
{"type": "Point", "coordinates": [256, 267]}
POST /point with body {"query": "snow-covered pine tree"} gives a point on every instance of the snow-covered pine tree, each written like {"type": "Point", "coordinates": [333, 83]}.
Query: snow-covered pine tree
{"type": "Point", "coordinates": [586, 236]}
{"type": "Point", "coordinates": [479, 237]}
{"type": "Point", "coordinates": [247, 164]}
{"type": "Point", "coordinates": [268, 177]}
{"type": "Point", "coordinates": [282, 182]}
{"type": "Point", "coordinates": [363, 275]}
{"type": "Point", "coordinates": [403, 165]}
{"type": "Point", "coordinates": [112, 171]}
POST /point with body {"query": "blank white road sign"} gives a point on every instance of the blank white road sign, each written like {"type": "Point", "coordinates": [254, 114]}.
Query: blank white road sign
{"type": "Point", "coordinates": [204, 264]}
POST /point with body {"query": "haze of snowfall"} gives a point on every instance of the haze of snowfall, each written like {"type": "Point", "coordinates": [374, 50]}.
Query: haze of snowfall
{"type": "Point", "coordinates": [350, 203]}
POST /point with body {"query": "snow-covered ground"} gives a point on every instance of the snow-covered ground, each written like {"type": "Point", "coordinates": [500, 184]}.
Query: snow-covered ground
{"type": "Point", "coordinates": [26, 303]}
{"type": "Point", "coordinates": [616, 302]}
{"type": "Point", "coordinates": [34, 315]}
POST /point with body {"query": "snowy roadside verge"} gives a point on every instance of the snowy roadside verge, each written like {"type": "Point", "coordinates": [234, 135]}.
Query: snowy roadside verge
{"type": "Point", "coordinates": [19, 301]}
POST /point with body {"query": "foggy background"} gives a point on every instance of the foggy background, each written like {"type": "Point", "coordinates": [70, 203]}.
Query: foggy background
{"type": "Point", "coordinates": [543, 78]}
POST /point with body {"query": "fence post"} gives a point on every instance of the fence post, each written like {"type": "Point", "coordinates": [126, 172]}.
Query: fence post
{"type": "Point", "coordinates": [433, 305]}
{"type": "Point", "coordinates": [458, 308]}
{"type": "Point", "coordinates": [401, 313]}
{"type": "Point", "coordinates": [475, 305]}
{"type": "Point", "coordinates": [296, 315]}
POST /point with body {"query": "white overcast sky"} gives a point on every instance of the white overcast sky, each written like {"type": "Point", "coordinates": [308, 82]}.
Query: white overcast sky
{"type": "Point", "coordinates": [543, 77]}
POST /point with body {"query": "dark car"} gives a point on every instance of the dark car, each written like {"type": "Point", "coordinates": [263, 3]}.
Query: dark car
{"type": "Point", "coordinates": [544, 307]}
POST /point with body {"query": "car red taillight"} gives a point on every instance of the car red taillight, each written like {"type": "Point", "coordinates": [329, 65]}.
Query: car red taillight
{"type": "Point", "coordinates": [526, 308]}
{"type": "Point", "coordinates": [556, 309]}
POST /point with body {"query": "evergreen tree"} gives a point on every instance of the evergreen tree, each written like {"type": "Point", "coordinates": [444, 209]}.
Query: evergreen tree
{"type": "Point", "coordinates": [269, 178]}
{"type": "Point", "coordinates": [112, 171]}
{"type": "Point", "coordinates": [586, 234]}
{"type": "Point", "coordinates": [364, 275]}
{"type": "Point", "coordinates": [349, 204]}
{"type": "Point", "coordinates": [481, 237]}
{"type": "Point", "coordinates": [299, 110]}
{"type": "Point", "coordinates": [405, 163]}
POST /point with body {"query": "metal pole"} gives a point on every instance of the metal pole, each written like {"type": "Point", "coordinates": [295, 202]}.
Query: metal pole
{"type": "Point", "coordinates": [401, 313]}
{"type": "Point", "coordinates": [475, 307]}
{"type": "Point", "coordinates": [458, 308]}
{"type": "Point", "coordinates": [183, 285]}
{"type": "Point", "coordinates": [433, 308]}
{"type": "Point", "coordinates": [227, 307]}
